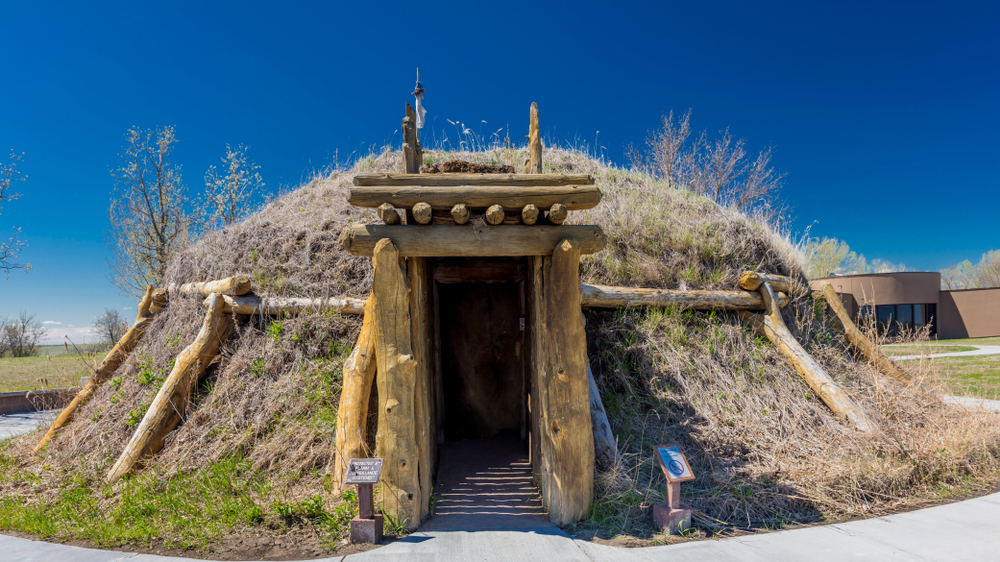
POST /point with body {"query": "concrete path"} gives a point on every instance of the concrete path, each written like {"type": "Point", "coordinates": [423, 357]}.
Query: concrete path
{"type": "Point", "coordinates": [16, 424]}
{"type": "Point", "coordinates": [980, 350]}
{"type": "Point", "coordinates": [973, 403]}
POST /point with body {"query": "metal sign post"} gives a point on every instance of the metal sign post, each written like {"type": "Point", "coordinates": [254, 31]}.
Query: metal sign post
{"type": "Point", "coordinates": [366, 527]}
{"type": "Point", "coordinates": [671, 515]}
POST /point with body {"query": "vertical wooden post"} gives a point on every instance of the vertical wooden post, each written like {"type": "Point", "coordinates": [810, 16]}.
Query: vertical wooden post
{"type": "Point", "coordinates": [538, 366]}
{"type": "Point", "coordinates": [567, 434]}
{"type": "Point", "coordinates": [396, 438]}
{"type": "Point", "coordinates": [418, 270]}
{"type": "Point", "coordinates": [352, 414]}
{"type": "Point", "coordinates": [534, 163]}
{"type": "Point", "coordinates": [413, 153]}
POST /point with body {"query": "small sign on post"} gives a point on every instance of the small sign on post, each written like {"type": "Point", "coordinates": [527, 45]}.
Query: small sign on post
{"type": "Point", "coordinates": [671, 515]}
{"type": "Point", "coordinates": [366, 527]}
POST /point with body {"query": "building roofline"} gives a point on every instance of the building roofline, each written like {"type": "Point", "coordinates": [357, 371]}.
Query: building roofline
{"type": "Point", "coordinates": [877, 275]}
{"type": "Point", "coordinates": [967, 290]}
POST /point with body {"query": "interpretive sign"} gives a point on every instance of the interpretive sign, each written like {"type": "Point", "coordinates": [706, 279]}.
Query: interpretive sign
{"type": "Point", "coordinates": [675, 466]}
{"type": "Point", "coordinates": [363, 471]}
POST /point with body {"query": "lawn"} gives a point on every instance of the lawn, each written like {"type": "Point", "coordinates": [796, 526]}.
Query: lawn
{"type": "Point", "coordinates": [30, 373]}
{"type": "Point", "coordinates": [977, 376]}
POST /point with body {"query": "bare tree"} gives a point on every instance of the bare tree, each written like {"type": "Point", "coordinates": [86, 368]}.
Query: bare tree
{"type": "Point", "coordinates": [227, 197]}
{"type": "Point", "coordinates": [149, 223]}
{"type": "Point", "coordinates": [21, 335]}
{"type": "Point", "coordinates": [718, 169]}
{"type": "Point", "coordinates": [967, 275]}
{"type": "Point", "coordinates": [879, 265]}
{"type": "Point", "coordinates": [11, 249]}
{"type": "Point", "coordinates": [110, 327]}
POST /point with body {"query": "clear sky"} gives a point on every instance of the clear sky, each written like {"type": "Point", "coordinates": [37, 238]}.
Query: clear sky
{"type": "Point", "coordinates": [883, 115]}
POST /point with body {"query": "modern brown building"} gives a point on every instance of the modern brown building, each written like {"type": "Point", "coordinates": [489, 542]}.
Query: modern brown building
{"type": "Point", "coordinates": [915, 299]}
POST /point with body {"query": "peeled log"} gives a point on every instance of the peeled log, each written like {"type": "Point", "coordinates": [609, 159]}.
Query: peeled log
{"type": "Point", "coordinates": [558, 213]}
{"type": "Point", "coordinates": [442, 198]}
{"type": "Point", "coordinates": [773, 327]}
{"type": "Point", "coordinates": [529, 214]}
{"type": "Point", "coordinates": [448, 241]}
{"type": "Point", "coordinates": [352, 415]}
{"type": "Point", "coordinates": [605, 446]}
{"type": "Point", "coordinates": [455, 180]}
{"type": "Point", "coordinates": [114, 358]}
{"type": "Point", "coordinates": [388, 214]}
{"type": "Point", "coordinates": [460, 213]}
{"type": "Point", "coordinates": [290, 305]}
{"type": "Point", "coordinates": [396, 439]}
{"type": "Point", "coordinates": [235, 285]}
{"type": "Point", "coordinates": [599, 296]}
{"type": "Point", "coordinates": [423, 213]}
{"type": "Point", "coordinates": [534, 163]}
{"type": "Point", "coordinates": [495, 214]}
{"type": "Point", "coordinates": [842, 320]}
{"type": "Point", "coordinates": [171, 402]}
{"type": "Point", "coordinates": [752, 281]}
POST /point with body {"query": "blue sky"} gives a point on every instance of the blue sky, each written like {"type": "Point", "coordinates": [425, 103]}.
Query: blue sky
{"type": "Point", "coordinates": [883, 115]}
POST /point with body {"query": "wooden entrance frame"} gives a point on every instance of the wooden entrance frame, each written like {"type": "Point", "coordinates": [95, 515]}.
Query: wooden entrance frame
{"type": "Point", "coordinates": [405, 325]}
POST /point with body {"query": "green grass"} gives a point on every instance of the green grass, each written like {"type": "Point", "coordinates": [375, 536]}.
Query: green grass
{"type": "Point", "coordinates": [186, 511]}
{"type": "Point", "coordinates": [909, 349]}
{"type": "Point", "coordinates": [64, 350]}
{"type": "Point", "coordinates": [30, 373]}
{"type": "Point", "coordinates": [972, 341]}
{"type": "Point", "coordinates": [977, 376]}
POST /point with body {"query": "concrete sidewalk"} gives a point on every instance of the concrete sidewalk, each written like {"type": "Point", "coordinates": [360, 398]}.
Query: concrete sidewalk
{"type": "Point", "coordinates": [960, 532]}
{"type": "Point", "coordinates": [12, 425]}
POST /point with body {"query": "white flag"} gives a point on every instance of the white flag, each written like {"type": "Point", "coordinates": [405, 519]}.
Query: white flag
{"type": "Point", "coordinates": [420, 111]}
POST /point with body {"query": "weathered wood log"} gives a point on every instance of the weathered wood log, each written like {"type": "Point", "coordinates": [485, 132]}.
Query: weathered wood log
{"type": "Point", "coordinates": [529, 214]}
{"type": "Point", "coordinates": [352, 413]}
{"type": "Point", "coordinates": [574, 197]}
{"type": "Point", "coordinates": [842, 320]}
{"type": "Point", "coordinates": [423, 213]}
{"type": "Point", "coordinates": [488, 180]}
{"type": "Point", "coordinates": [600, 296]}
{"type": "Point", "coordinates": [539, 366]}
{"type": "Point", "coordinates": [235, 285]}
{"type": "Point", "coordinates": [448, 241]}
{"type": "Point", "coordinates": [495, 214]}
{"type": "Point", "coordinates": [291, 305]}
{"type": "Point", "coordinates": [396, 440]}
{"type": "Point", "coordinates": [411, 140]}
{"type": "Point", "coordinates": [567, 435]}
{"type": "Point", "coordinates": [419, 277]}
{"type": "Point", "coordinates": [771, 325]}
{"type": "Point", "coordinates": [147, 308]}
{"type": "Point", "coordinates": [557, 213]}
{"type": "Point", "coordinates": [461, 213]}
{"type": "Point", "coordinates": [752, 281]}
{"type": "Point", "coordinates": [388, 214]}
{"type": "Point", "coordinates": [605, 447]}
{"type": "Point", "coordinates": [534, 163]}
{"type": "Point", "coordinates": [171, 402]}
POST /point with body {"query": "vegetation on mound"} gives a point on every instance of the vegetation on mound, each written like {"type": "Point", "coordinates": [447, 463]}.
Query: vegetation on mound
{"type": "Point", "coordinates": [256, 449]}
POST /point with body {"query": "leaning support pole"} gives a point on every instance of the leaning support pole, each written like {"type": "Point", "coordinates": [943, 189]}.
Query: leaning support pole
{"type": "Point", "coordinates": [773, 327]}
{"type": "Point", "coordinates": [752, 281]}
{"type": "Point", "coordinates": [235, 285]}
{"type": "Point", "coordinates": [171, 402]}
{"type": "Point", "coordinates": [842, 320]}
{"type": "Point", "coordinates": [151, 303]}
{"type": "Point", "coordinates": [605, 448]}
{"type": "Point", "coordinates": [352, 415]}
{"type": "Point", "coordinates": [290, 305]}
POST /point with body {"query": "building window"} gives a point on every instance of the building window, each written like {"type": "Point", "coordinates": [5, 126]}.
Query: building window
{"type": "Point", "coordinates": [892, 318]}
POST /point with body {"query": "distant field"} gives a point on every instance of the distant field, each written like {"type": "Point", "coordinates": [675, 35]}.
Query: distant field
{"type": "Point", "coordinates": [31, 373]}
{"type": "Point", "coordinates": [897, 350]}
{"type": "Point", "coordinates": [61, 350]}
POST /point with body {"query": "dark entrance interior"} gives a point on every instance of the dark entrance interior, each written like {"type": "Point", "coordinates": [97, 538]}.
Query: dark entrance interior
{"type": "Point", "coordinates": [482, 389]}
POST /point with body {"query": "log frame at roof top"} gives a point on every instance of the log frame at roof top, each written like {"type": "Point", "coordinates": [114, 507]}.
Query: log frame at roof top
{"type": "Point", "coordinates": [453, 241]}
{"type": "Point", "coordinates": [574, 196]}
{"type": "Point", "coordinates": [452, 179]}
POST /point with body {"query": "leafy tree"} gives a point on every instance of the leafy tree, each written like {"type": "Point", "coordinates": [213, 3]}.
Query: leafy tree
{"type": "Point", "coordinates": [965, 275]}
{"type": "Point", "coordinates": [11, 249]}
{"type": "Point", "coordinates": [148, 220]}
{"type": "Point", "coordinates": [879, 265]}
{"type": "Point", "coordinates": [830, 255]}
{"type": "Point", "coordinates": [110, 327]}
{"type": "Point", "coordinates": [19, 337]}
{"type": "Point", "coordinates": [227, 197]}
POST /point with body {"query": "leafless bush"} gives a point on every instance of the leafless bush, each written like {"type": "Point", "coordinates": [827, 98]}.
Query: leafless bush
{"type": "Point", "coordinates": [148, 217]}
{"type": "Point", "coordinates": [110, 327]}
{"type": "Point", "coordinates": [718, 169]}
{"type": "Point", "coordinates": [227, 196]}
{"type": "Point", "coordinates": [12, 248]}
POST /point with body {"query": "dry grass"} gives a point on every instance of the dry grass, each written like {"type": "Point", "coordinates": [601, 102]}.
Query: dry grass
{"type": "Point", "coordinates": [767, 452]}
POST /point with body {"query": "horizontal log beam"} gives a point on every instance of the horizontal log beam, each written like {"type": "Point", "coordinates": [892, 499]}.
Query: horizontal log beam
{"type": "Point", "coordinates": [452, 241]}
{"type": "Point", "coordinates": [443, 198]}
{"type": "Point", "coordinates": [290, 305]}
{"type": "Point", "coordinates": [235, 285]}
{"type": "Point", "coordinates": [599, 296]}
{"type": "Point", "coordinates": [506, 180]}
